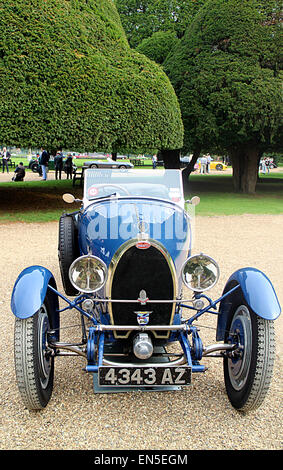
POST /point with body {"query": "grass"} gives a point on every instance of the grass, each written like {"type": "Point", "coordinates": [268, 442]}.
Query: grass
{"type": "Point", "coordinates": [42, 201]}
{"type": "Point", "coordinates": [218, 198]}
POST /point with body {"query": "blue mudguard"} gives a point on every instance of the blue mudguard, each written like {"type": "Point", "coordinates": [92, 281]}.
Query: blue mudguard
{"type": "Point", "coordinates": [256, 290]}
{"type": "Point", "coordinates": [30, 290]}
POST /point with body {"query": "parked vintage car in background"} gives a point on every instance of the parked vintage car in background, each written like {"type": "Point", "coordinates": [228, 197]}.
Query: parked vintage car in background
{"type": "Point", "coordinates": [127, 267]}
{"type": "Point", "coordinates": [35, 167]}
{"type": "Point", "coordinates": [33, 164]}
{"type": "Point", "coordinates": [108, 163]}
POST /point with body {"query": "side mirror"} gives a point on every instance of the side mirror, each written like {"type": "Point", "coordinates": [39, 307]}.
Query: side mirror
{"type": "Point", "coordinates": [194, 201]}
{"type": "Point", "coordinates": [69, 198]}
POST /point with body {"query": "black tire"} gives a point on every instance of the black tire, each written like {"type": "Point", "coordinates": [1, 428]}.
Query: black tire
{"type": "Point", "coordinates": [93, 166]}
{"type": "Point", "coordinates": [67, 251]}
{"type": "Point", "coordinates": [247, 377]}
{"type": "Point", "coordinates": [34, 365]}
{"type": "Point", "coordinates": [219, 167]}
{"type": "Point", "coordinates": [122, 167]}
{"type": "Point", "coordinates": [35, 168]}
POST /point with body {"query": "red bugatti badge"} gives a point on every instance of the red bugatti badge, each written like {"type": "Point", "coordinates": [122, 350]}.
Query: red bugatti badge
{"type": "Point", "coordinates": [143, 245]}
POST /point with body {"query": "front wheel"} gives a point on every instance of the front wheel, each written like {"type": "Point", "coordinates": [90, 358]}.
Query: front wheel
{"type": "Point", "coordinates": [33, 363]}
{"type": "Point", "coordinates": [248, 371]}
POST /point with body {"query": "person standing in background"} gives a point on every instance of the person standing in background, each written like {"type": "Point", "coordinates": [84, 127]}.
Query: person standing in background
{"type": "Point", "coordinates": [263, 166]}
{"type": "Point", "coordinates": [58, 163]}
{"type": "Point", "coordinates": [68, 167]}
{"type": "Point", "coordinates": [209, 160]}
{"type": "Point", "coordinates": [203, 163]}
{"type": "Point", "coordinates": [5, 159]}
{"type": "Point", "coordinates": [43, 160]}
{"type": "Point", "coordinates": [154, 161]}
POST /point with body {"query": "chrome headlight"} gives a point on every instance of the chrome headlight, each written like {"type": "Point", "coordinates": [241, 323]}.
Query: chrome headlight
{"type": "Point", "coordinates": [88, 273]}
{"type": "Point", "coordinates": [200, 273]}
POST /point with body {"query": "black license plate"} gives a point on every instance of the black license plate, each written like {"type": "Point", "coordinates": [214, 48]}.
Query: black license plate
{"type": "Point", "coordinates": [144, 376]}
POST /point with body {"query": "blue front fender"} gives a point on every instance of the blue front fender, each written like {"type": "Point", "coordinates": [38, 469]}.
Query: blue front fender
{"type": "Point", "coordinates": [30, 290]}
{"type": "Point", "coordinates": [256, 290]}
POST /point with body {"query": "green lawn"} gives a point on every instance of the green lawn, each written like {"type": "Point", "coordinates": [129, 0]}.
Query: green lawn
{"type": "Point", "coordinates": [217, 196]}
{"type": "Point", "coordinates": [42, 201]}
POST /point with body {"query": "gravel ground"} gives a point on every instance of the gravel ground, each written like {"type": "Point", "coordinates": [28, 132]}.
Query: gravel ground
{"type": "Point", "coordinates": [198, 417]}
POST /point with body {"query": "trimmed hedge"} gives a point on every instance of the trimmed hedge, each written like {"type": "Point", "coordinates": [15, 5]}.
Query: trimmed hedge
{"type": "Point", "coordinates": [70, 80]}
{"type": "Point", "coordinates": [226, 73]}
{"type": "Point", "coordinates": [158, 46]}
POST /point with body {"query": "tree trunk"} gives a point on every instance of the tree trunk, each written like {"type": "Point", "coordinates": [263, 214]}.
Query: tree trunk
{"type": "Point", "coordinates": [249, 178]}
{"type": "Point", "coordinates": [245, 168]}
{"type": "Point", "coordinates": [189, 168]}
{"type": "Point", "coordinates": [171, 159]}
{"type": "Point", "coordinates": [114, 156]}
{"type": "Point", "coordinates": [236, 156]}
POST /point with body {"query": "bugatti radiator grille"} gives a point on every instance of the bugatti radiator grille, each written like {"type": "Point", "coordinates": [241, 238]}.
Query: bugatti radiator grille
{"type": "Point", "coordinates": [142, 270]}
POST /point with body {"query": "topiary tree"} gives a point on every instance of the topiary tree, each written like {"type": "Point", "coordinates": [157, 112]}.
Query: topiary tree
{"type": "Point", "coordinates": [226, 74]}
{"type": "Point", "coordinates": [158, 46]}
{"type": "Point", "coordinates": [70, 80]}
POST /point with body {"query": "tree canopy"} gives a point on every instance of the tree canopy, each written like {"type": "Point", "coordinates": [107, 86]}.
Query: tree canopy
{"type": "Point", "coordinates": [142, 18]}
{"type": "Point", "coordinates": [70, 80]}
{"type": "Point", "coordinates": [226, 73]}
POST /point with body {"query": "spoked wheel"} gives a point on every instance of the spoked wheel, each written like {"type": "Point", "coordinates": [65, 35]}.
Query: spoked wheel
{"type": "Point", "coordinates": [248, 371]}
{"type": "Point", "coordinates": [33, 364]}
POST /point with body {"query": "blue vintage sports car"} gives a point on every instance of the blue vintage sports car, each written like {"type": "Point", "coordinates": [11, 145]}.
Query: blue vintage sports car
{"type": "Point", "coordinates": [127, 267]}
